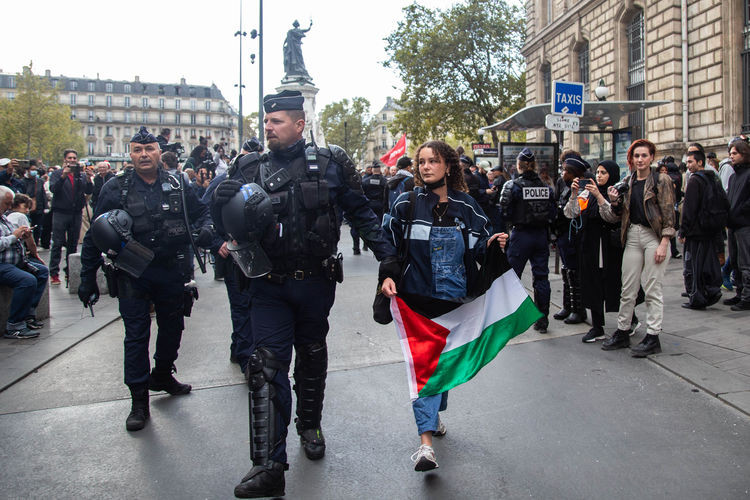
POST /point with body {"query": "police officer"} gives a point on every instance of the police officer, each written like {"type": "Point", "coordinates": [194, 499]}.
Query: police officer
{"type": "Point", "coordinates": [529, 205]}
{"type": "Point", "coordinates": [373, 186]}
{"type": "Point", "coordinates": [151, 220]}
{"type": "Point", "coordinates": [291, 303]}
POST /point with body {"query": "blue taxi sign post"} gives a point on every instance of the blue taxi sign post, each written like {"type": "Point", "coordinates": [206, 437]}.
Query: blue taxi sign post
{"type": "Point", "coordinates": [567, 98]}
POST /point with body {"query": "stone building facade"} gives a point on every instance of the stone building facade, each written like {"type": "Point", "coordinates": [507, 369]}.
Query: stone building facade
{"type": "Point", "coordinates": [111, 111]}
{"type": "Point", "coordinates": [636, 48]}
{"type": "Point", "coordinates": [381, 140]}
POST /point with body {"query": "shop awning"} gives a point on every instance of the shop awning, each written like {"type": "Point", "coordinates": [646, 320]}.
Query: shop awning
{"type": "Point", "coordinates": [597, 115]}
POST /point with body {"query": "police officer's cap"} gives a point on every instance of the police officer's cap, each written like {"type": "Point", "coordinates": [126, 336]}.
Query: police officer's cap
{"type": "Point", "coordinates": [143, 136]}
{"type": "Point", "coordinates": [526, 155]}
{"type": "Point", "coordinates": [576, 165]}
{"type": "Point", "coordinates": [466, 159]}
{"type": "Point", "coordinates": [286, 100]}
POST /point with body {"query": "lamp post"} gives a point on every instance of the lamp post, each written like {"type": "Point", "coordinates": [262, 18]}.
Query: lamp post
{"type": "Point", "coordinates": [259, 35]}
{"type": "Point", "coordinates": [240, 34]}
{"type": "Point", "coordinates": [346, 137]}
{"type": "Point", "coordinates": [601, 92]}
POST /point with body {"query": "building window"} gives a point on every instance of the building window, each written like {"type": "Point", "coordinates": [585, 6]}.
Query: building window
{"type": "Point", "coordinates": [192, 118]}
{"type": "Point", "coordinates": [161, 117]}
{"type": "Point", "coordinates": [127, 117]}
{"type": "Point", "coordinates": [90, 148]}
{"type": "Point", "coordinates": [192, 104]}
{"type": "Point", "coordinates": [109, 149]}
{"type": "Point", "coordinates": [636, 73]}
{"type": "Point", "coordinates": [161, 103]}
{"type": "Point", "coordinates": [91, 100]}
{"type": "Point", "coordinates": [92, 86]}
{"type": "Point", "coordinates": [127, 147]}
{"type": "Point", "coordinates": [192, 133]}
{"type": "Point", "coordinates": [208, 105]}
{"type": "Point", "coordinates": [176, 104]}
{"type": "Point", "coordinates": [548, 12]}
{"type": "Point", "coordinates": [109, 131]}
{"type": "Point", "coordinates": [109, 116]}
{"type": "Point", "coordinates": [109, 101]}
{"type": "Point", "coordinates": [108, 87]}
{"type": "Point", "coordinates": [73, 85]}
{"type": "Point", "coordinates": [177, 132]}
{"type": "Point", "coordinates": [127, 88]}
{"type": "Point", "coordinates": [90, 130]}
{"type": "Point", "coordinates": [177, 118]}
{"type": "Point", "coordinates": [127, 102]}
{"type": "Point", "coordinates": [91, 115]}
{"type": "Point", "coordinates": [145, 102]}
{"type": "Point", "coordinates": [144, 117]}
{"type": "Point", "coordinates": [208, 119]}
{"type": "Point", "coordinates": [385, 117]}
{"type": "Point", "coordinates": [583, 68]}
{"type": "Point", "coordinates": [72, 99]}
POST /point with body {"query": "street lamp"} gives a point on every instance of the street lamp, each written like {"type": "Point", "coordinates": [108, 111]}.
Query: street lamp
{"type": "Point", "coordinates": [601, 92]}
{"type": "Point", "coordinates": [259, 35]}
{"type": "Point", "coordinates": [240, 34]}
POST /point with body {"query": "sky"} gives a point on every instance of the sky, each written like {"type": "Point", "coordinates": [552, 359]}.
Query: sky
{"type": "Point", "coordinates": [162, 41]}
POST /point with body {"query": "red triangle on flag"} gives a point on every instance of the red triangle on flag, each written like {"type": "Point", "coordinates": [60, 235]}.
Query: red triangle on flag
{"type": "Point", "coordinates": [426, 341]}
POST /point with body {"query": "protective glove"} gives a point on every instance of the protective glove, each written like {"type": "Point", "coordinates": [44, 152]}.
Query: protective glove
{"type": "Point", "coordinates": [204, 238]}
{"type": "Point", "coordinates": [88, 292]}
{"type": "Point", "coordinates": [225, 191]}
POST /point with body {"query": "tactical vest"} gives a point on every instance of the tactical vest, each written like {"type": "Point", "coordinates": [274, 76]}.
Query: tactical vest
{"type": "Point", "coordinates": [161, 228]}
{"type": "Point", "coordinates": [374, 187]}
{"type": "Point", "coordinates": [533, 206]}
{"type": "Point", "coordinates": [299, 192]}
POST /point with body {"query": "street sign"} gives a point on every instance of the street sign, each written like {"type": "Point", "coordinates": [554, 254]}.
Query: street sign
{"type": "Point", "coordinates": [567, 98]}
{"type": "Point", "coordinates": [560, 122]}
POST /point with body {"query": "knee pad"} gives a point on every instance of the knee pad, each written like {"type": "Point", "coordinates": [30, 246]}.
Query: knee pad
{"type": "Point", "coordinates": [262, 367]}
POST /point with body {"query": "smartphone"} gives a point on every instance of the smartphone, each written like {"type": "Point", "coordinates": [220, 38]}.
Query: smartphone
{"type": "Point", "coordinates": [583, 182]}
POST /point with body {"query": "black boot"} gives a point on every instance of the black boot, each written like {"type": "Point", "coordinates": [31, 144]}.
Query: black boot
{"type": "Point", "coordinates": [542, 323]}
{"type": "Point", "coordinates": [578, 313]}
{"type": "Point", "coordinates": [161, 379]}
{"type": "Point", "coordinates": [649, 345]}
{"type": "Point", "coordinates": [139, 411]}
{"type": "Point", "coordinates": [263, 481]}
{"type": "Point", "coordinates": [565, 311]}
{"type": "Point", "coordinates": [619, 340]}
{"type": "Point", "coordinates": [310, 367]}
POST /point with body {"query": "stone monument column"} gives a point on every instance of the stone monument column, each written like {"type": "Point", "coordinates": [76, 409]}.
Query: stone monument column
{"type": "Point", "coordinates": [309, 91]}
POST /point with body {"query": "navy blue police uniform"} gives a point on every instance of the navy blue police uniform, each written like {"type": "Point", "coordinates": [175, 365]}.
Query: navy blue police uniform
{"type": "Point", "coordinates": [291, 303]}
{"type": "Point", "coordinates": [158, 212]}
{"type": "Point", "coordinates": [529, 205]}
{"type": "Point", "coordinates": [374, 188]}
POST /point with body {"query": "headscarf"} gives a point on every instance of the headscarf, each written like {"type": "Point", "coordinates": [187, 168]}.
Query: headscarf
{"type": "Point", "coordinates": [613, 169]}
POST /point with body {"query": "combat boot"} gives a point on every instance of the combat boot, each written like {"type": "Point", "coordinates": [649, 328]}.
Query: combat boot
{"type": "Point", "coordinates": [313, 443]}
{"type": "Point", "coordinates": [619, 340]}
{"type": "Point", "coordinates": [565, 311]}
{"type": "Point", "coordinates": [265, 480]}
{"type": "Point", "coordinates": [139, 411]}
{"type": "Point", "coordinates": [310, 366]}
{"type": "Point", "coordinates": [161, 379]}
{"type": "Point", "coordinates": [578, 312]}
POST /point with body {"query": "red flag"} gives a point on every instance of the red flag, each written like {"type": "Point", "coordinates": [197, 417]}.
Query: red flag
{"type": "Point", "coordinates": [392, 156]}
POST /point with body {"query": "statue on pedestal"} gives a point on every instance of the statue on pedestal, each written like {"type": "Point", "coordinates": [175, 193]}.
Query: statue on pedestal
{"type": "Point", "coordinates": [294, 64]}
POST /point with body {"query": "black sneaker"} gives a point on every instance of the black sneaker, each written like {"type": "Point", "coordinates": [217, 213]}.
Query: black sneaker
{"type": "Point", "coordinates": [684, 294]}
{"type": "Point", "coordinates": [733, 301]}
{"type": "Point", "coordinates": [713, 300]}
{"type": "Point", "coordinates": [593, 335]}
{"type": "Point", "coordinates": [619, 340]}
{"type": "Point", "coordinates": [263, 481]}
{"type": "Point", "coordinates": [541, 325]}
{"type": "Point", "coordinates": [356, 251]}
{"type": "Point", "coordinates": [688, 305]}
{"type": "Point", "coordinates": [313, 443]}
{"type": "Point", "coordinates": [34, 324]}
{"type": "Point", "coordinates": [20, 333]}
{"type": "Point", "coordinates": [742, 305]}
{"type": "Point", "coordinates": [649, 345]}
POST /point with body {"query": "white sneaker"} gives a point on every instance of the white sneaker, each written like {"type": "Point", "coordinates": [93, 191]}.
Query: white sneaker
{"type": "Point", "coordinates": [441, 430]}
{"type": "Point", "coordinates": [424, 459]}
{"type": "Point", "coordinates": [634, 326]}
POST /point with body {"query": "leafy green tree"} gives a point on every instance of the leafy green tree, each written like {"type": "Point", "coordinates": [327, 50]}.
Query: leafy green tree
{"type": "Point", "coordinates": [34, 123]}
{"type": "Point", "coordinates": [462, 68]}
{"type": "Point", "coordinates": [347, 124]}
{"type": "Point", "coordinates": [250, 126]}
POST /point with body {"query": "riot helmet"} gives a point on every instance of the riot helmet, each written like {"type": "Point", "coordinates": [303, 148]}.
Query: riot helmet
{"type": "Point", "coordinates": [112, 235]}
{"type": "Point", "coordinates": [246, 216]}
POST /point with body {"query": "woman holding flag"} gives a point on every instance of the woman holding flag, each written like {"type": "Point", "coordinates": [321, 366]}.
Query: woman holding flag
{"type": "Point", "coordinates": [447, 240]}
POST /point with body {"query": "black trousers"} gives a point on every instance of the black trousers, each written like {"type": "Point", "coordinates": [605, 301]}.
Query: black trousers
{"type": "Point", "coordinates": [701, 271]}
{"type": "Point", "coordinates": [46, 234]}
{"type": "Point", "coordinates": [739, 254]}
{"type": "Point", "coordinates": [66, 228]}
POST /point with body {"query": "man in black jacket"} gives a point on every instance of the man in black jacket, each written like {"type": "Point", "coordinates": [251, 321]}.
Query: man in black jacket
{"type": "Point", "coordinates": [701, 272]}
{"type": "Point", "coordinates": [69, 188]}
{"type": "Point", "coordinates": [739, 223]}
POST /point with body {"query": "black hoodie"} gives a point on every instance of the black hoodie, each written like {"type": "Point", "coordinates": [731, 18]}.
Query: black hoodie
{"type": "Point", "coordinates": [739, 197]}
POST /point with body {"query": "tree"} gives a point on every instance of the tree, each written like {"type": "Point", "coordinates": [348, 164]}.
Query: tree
{"type": "Point", "coordinates": [348, 125]}
{"type": "Point", "coordinates": [34, 123]}
{"type": "Point", "coordinates": [250, 126]}
{"type": "Point", "coordinates": [461, 68]}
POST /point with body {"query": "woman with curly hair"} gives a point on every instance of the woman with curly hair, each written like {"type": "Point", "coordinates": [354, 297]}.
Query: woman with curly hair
{"type": "Point", "coordinates": [646, 210]}
{"type": "Point", "coordinates": [448, 237]}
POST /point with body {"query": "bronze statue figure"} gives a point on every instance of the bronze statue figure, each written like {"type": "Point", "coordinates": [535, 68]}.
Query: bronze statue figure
{"type": "Point", "coordinates": [294, 64]}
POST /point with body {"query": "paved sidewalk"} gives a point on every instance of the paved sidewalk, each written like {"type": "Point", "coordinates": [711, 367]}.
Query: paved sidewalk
{"type": "Point", "coordinates": [710, 349]}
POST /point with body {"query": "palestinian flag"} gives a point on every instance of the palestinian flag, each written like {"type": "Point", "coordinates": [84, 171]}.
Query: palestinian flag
{"type": "Point", "coordinates": [447, 350]}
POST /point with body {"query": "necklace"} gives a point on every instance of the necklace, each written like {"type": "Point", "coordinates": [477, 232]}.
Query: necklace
{"type": "Point", "coordinates": [437, 213]}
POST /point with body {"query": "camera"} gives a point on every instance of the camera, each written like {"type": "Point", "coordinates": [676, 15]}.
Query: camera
{"type": "Point", "coordinates": [175, 147]}
{"type": "Point", "coordinates": [208, 164]}
{"type": "Point", "coordinates": [622, 188]}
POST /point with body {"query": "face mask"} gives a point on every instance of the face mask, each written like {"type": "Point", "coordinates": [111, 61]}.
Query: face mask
{"type": "Point", "coordinates": [33, 173]}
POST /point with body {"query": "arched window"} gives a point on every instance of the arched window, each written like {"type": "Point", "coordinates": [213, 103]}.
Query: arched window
{"type": "Point", "coordinates": [582, 54]}
{"type": "Point", "coordinates": [636, 72]}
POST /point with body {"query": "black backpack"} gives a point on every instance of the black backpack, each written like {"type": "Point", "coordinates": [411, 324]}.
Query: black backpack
{"type": "Point", "coordinates": [714, 213]}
